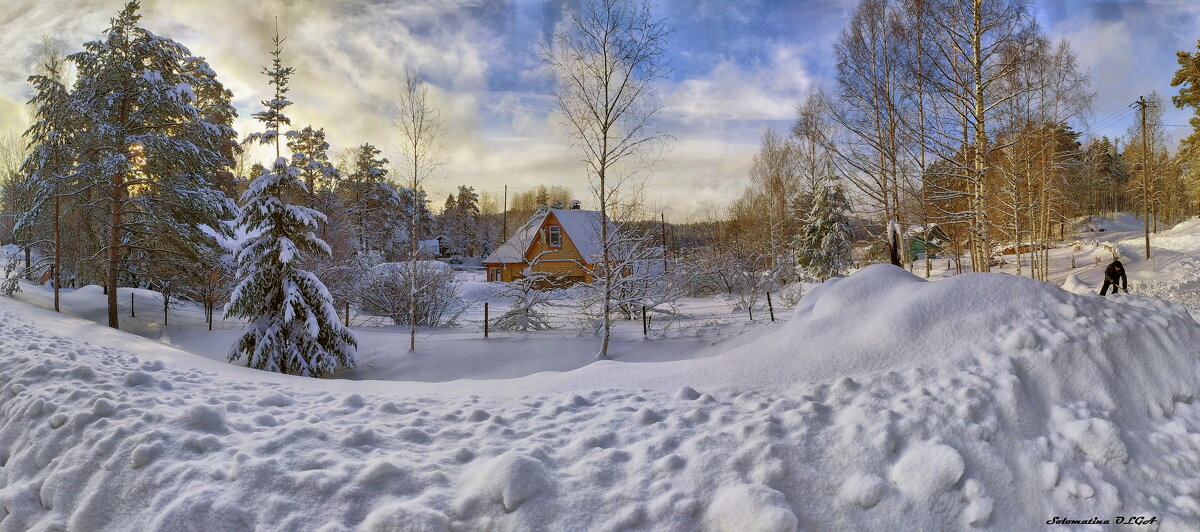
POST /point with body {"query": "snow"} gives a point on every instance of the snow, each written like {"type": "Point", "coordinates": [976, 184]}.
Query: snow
{"type": "Point", "coordinates": [513, 249]}
{"type": "Point", "coordinates": [404, 267]}
{"type": "Point", "coordinates": [927, 469]}
{"type": "Point", "coordinates": [978, 401]}
{"type": "Point", "coordinates": [583, 228]}
{"type": "Point", "coordinates": [10, 251]}
{"type": "Point", "coordinates": [864, 490]}
{"type": "Point", "coordinates": [747, 507]}
{"type": "Point", "coordinates": [509, 480]}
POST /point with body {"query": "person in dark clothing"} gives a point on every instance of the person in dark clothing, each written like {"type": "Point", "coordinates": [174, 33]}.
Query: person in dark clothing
{"type": "Point", "coordinates": [1115, 272]}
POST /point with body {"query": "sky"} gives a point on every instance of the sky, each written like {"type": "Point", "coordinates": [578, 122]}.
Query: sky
{"type": "Point", "coordinates": [738, 67]}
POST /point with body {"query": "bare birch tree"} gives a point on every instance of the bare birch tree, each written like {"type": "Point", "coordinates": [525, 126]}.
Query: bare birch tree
{"type": "Point", "coordinates": [969, 39]}
{"type": "Point", "coordinates": [605, 58]}
{"type": "Point", "coordinates": [421, 128]}
{"type": "Point", "coordinates": [870, 72]}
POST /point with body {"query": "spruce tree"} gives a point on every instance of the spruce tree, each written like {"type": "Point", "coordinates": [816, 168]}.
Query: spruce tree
{"type": "Point", "coordinates": [310, 153]}
{"type": "Point", "coordinates": [295, 328]}
{"type": "Point", "coordinates": [373, 204]}
{"type": "Point", "coordinates": [826, 246]}
{"type": "Point", "coordinates": [467, 221]}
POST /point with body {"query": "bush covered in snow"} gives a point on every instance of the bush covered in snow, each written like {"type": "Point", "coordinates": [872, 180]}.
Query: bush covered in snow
{"type": "Point", "coordinates": [388, 290]}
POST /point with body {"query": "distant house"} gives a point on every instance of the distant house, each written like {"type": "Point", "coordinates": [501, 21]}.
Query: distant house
{"type": "Point", "coordinates": [569, 238]}
{"type": "Point", "coordinates": [433, 248]}
{"type": "Point", "coordinates": [929, 240]}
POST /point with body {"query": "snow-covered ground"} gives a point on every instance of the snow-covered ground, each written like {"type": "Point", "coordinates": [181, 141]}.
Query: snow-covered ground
{"type": "Point", "coordinates": [883, 402]}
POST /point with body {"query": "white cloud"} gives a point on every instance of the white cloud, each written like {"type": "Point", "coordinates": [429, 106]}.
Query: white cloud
{"type": "Point", "coordinates": [12, 116]}
{"type": "Point", "coordinates": [1130, 55]}
{"type": "Point", "coordinates": [767, 91]}
{"type": "Point", "coordinates": [350, 56]}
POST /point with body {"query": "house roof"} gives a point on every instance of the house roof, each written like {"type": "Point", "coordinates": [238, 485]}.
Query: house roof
{"type": "Point", "coordinates": [582, 227]}
{"type": "Point", "coordinates": [916, 230]}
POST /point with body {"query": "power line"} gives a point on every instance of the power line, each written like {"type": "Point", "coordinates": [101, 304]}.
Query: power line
{"type": "Point", "coordinates": [1112, 119]}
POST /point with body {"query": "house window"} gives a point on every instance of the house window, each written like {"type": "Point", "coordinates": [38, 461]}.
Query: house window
{"type": "Point", "coordinates": [495, 274]}
{"type": "Point", "coordinates": [555, 236]}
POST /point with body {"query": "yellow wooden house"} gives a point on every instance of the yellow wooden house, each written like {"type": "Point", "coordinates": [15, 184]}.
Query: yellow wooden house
{"type": "Point", "coordinates": [564, 244]}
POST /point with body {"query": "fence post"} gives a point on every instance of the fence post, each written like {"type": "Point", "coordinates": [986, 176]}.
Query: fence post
{"type": "Point", "coordinates": [166, 302]}
{"type": "Point", "coordinates": [485, 319]}
{"type": "Point", "coordinates": [132, 309]}
{"type": "Point", "coordinates": [644, 323]}
{"type": "Point", "coordinates": [770, 306]}
{"type": "Point", "coordinates": [750, 309]}
{"type": "Point", "coordinates": [347, 313]}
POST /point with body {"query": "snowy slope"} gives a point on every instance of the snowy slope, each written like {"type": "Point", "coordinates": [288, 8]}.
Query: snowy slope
{"type": "Point", "coordinates": [887, 403]}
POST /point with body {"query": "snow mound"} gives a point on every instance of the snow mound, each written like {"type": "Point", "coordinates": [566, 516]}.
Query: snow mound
{"type": "Point", "coordinates": [405, 516]}
{"type": "Point", "coordinates": [1067, 346]}
{"type": "Point", "coordinates": [509, 479]}
{"type": "Point", "coordinates": [1076, 286]}
{"type": "Point", "coordinates": [984, 400]}
{"type": "Point", "coordinates": [1098, 439]}
{"type": "Point", "coordinates": [926, 469]}
{"type": "Point", "coordinates": [750, 508]}
{"type": "Point", "coordinates": [863, 490]}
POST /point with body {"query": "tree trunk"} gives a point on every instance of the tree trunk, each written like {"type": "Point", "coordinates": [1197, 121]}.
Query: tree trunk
{"type": "Point", "coordinates": [114, 242]}
{"type": "Point", "coordinates": [412, 277]}
{"type": "Point", "coordinates": [57, 253]}
{"type": "Point", "coordinates": [981, 248]}
{"type": "Point", "coordinates": [605, 245]}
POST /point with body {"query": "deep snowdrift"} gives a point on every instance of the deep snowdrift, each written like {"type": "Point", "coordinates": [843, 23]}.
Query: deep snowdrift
{"type": "Point", "coordinates": [886, 403]}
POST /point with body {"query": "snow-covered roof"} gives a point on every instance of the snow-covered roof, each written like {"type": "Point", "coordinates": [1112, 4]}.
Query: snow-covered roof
{"type": "Point", "coordinates": [918, 230]}
{"type": "Point", "coordinates": [513, 249]}
{"type": "Point", "coordinates": [584, 229]}
{"type": "Point", "coordinates": [581, 226]}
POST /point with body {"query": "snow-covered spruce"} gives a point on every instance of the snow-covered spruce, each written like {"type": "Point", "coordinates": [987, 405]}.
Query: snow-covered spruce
{"type": "Point", "coordinates": [826, 245]}
{"type": "Point", "coordinates": [295, 328]}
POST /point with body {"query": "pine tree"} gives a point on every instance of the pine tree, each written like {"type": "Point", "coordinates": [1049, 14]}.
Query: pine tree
{"type": "Point", "coordinates": [49, 167]}
{"type": "Point", "coordinates": [150, 152]}
{"type": "Point", "coordinates": [825, 247]}
{"type": "Point", "coordinates": [1187, 78]}
{"type": "Point", "coordinates": [295, 328]}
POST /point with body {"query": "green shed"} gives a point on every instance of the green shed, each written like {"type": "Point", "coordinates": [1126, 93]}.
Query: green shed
{"type": "Point", "coordinates": [926, 241]}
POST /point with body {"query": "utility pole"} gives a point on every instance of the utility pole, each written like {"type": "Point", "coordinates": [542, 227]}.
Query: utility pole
{"type": "Point", "coordinates": [1141, 103]}
{"type": "Point", "coordinates": [504, 218]}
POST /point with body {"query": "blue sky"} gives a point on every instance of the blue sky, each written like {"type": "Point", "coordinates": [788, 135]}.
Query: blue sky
{"type": "Point", "coordinates": [739, 67]}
